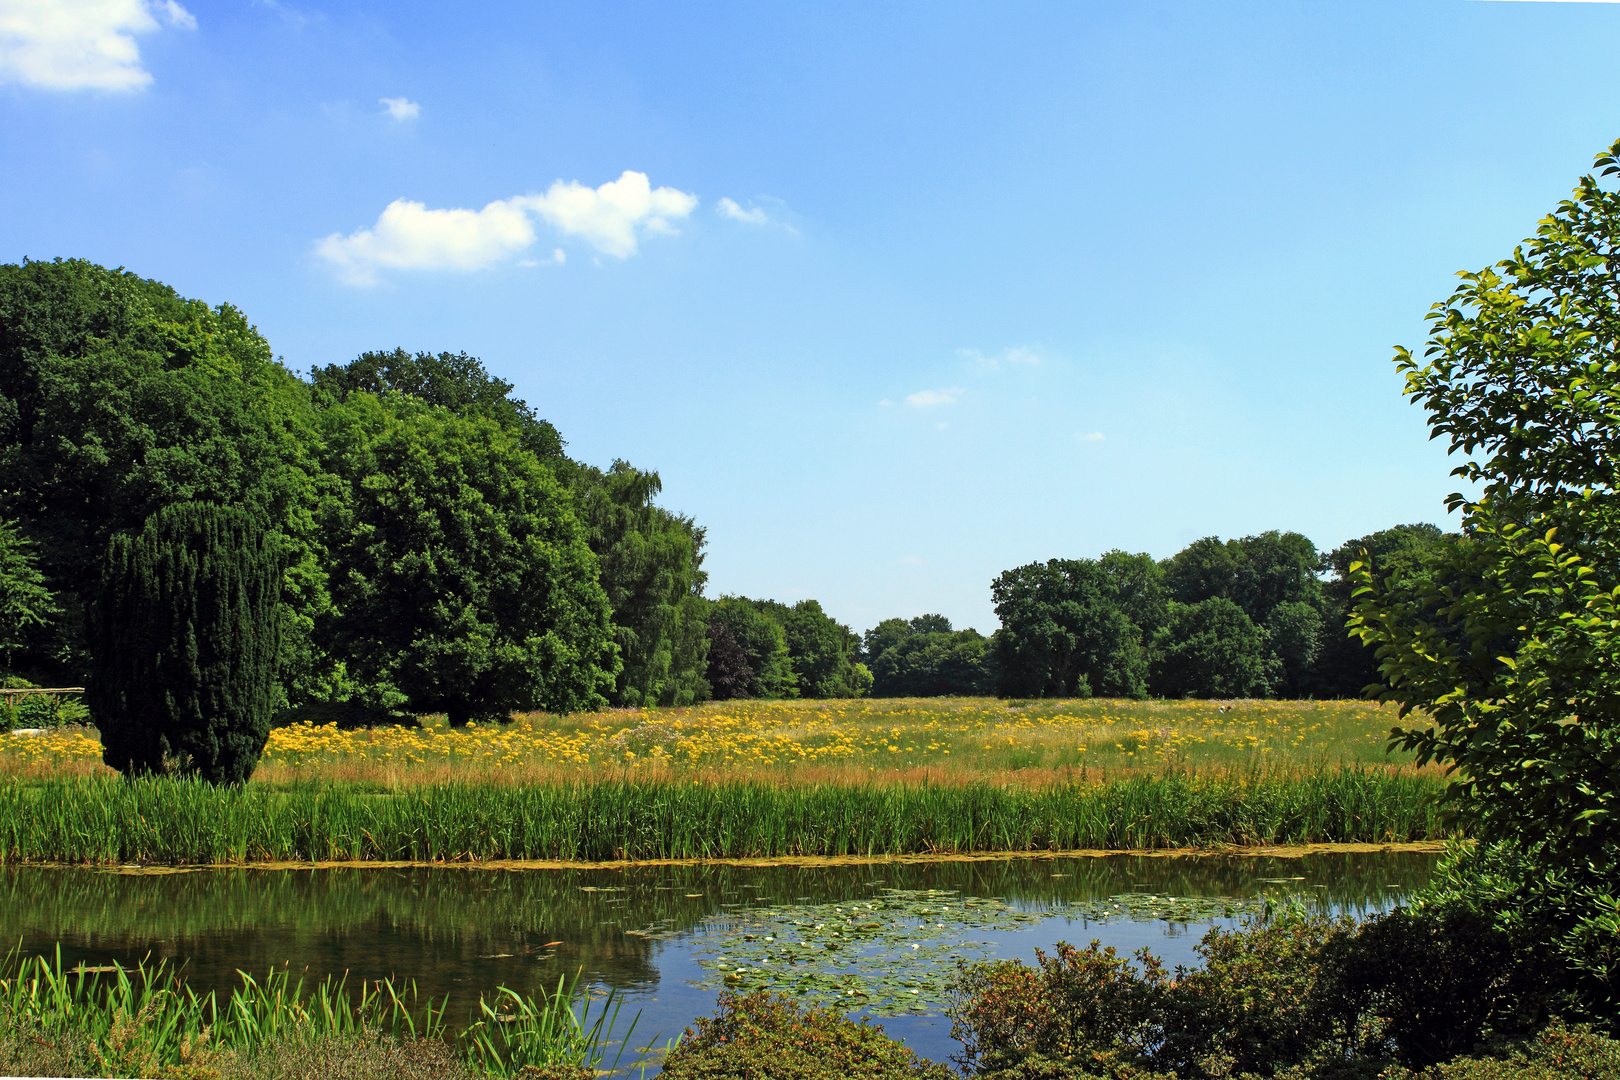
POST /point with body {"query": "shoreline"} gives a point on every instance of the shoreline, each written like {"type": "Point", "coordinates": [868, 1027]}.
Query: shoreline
{"type": "Point", "coordinates": [1279, 851]}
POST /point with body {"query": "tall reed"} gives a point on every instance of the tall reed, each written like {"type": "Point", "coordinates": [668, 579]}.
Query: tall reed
{"type": "Point", "coordinates": [139, 1021]}
{"type": "Point", "coordinates": [181, 821]}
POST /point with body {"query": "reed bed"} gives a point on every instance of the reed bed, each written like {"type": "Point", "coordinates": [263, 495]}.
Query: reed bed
{"type": "Point", "coordinates": [172, 821]}
{"type": "Point", "coordinates": [145, 1021]}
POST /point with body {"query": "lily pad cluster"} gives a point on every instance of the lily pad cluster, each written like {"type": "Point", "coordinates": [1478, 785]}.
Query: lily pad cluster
{"type": "Point", "coordinates": [897, 950]}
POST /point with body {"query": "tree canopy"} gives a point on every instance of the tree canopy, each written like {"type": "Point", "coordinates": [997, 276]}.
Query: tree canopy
{"type": "Point", "coordinates": [460, 576]}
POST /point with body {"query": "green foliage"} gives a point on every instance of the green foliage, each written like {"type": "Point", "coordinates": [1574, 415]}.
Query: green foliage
{"type": "Point", "coordinates": [1508, 644]}
{"type": "Point", "coordinates": [146, 1021]}
{"type": "Point", "coordinates": [456, 381]}
{"type": "Point", "coordinates": [822, 650]}
{"type": "Point", "coordinates": [1063, 634]}
{"type": "Point", "coordinates": [119, 397]}
{"type": "Point", "coordinates": [1252, 1007]}
{"type": "Point", "coordinates": [1211, 649]}
{"type": "Point", "coordinates": [186, 644]}
{"type": "Point", "coordinates": [461, 578]}
{"type": "Point", "coordinates": [761, 1036]}
{"type": "Point", "coordinates": [42, 711]}
{"type": "Point", "coordinates": [925, 658]}
{"type": "Point", "coordinates": [1344, 665]}
{"type": "Point", "coordinates": [1079, 1012]}
{"type": "Point", "coordinates": [651, 566]}
{"type": "Point", "coordinates": [26, 604]}
{"type": "Point", "coordinates": [741, 630]}
{"type": "Point", "coordinates": [1256, 573]}
{"type": "Point", "coordinates": [1272, 578]}
{"type": "Point", "coordinates": [1556, 1053]}
{"type": "Point", "coordinates": [166, 820]}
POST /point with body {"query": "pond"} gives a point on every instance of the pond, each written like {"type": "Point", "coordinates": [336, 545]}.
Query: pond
{"type": "Point", "coordinates": [880, 938]}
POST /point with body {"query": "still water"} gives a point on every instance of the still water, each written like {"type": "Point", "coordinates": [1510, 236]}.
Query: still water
{"type": "Point", "coordinates": [879, 938]}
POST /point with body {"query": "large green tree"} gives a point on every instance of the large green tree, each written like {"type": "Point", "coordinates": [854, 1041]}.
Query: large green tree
{"type": "Point", "coordinates": [1272, 578]}
{"type": "Point", "coordinates": [748, 654]}
{"type": "Point", "coordinates": [924, 657]}
{"type": "Point", "coordinates": [824, 652]}
{"type": "Point", "coordinates": [456, 381]}
{"type": "Point", "coordinates": [119, 397]}
{"type": "Point", "coordinates": [186, 643]}
{"type": "Point", "coordinates": [1064, 635]}
{"type": "Point", "coordinates": [1506, 652]}
{"type": "Point", "coordinates": [1212, 649]}
{"type": "Point", "coordinates": [652, 569]}
{"type": "Point", "coordinates": [461, 576]}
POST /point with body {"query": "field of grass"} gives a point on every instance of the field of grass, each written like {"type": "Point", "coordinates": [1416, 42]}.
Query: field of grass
{"type": "Point", "coordinates": [935, 740]}
{"type": "Point", "coordinates": [747, 780]}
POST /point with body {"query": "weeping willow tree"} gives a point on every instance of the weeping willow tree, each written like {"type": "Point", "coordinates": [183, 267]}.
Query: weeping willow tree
{"type": "Point", "coordinates": [185, 643]}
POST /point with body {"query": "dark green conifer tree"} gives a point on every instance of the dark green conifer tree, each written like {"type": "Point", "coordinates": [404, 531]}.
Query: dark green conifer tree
{"type": "Point", "coordinates": [185, 644]}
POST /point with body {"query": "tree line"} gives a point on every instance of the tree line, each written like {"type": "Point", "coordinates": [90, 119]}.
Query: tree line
{"type": "Point", "coordinates": [1261, 616]}
{"type": "Point", "coordinates": [438, 550]}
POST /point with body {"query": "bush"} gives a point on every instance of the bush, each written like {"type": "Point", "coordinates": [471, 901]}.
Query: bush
{"type": "Point", "coordinates": [1254, 1007]}
{"type": "Point", "coordinates": [764, 1037]}
{"type": "Point", "coordinates": [1083, 1012]}
{"type": "Point", "coordinates": [1558, 1053]}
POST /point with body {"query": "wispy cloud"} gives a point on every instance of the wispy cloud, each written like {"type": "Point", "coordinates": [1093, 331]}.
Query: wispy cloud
{"type": "Point", "coordinates": [1013, 357]}
{"type": "Point", "coordinates": [81, 44]}
{"type": "Point", "coordinates": [409, 236]}
{"type": "Point", "coordinates": [928, 399]}
{"type": "Point", "coordinates": [1089, 436]}
{"type": "Point", "coordinates": [400, 108]}
{"type": "Point", "coordinates": [728, 208]}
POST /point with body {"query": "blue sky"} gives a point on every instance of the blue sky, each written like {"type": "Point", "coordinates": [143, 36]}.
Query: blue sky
{"type": "Point", "coordinates": [894, 297]}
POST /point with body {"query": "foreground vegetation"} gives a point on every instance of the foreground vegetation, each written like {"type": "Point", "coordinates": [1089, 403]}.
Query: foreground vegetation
{"type": "Point", "coordinates": [146, 1022]}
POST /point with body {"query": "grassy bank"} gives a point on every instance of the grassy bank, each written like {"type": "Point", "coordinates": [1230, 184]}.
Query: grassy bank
{"type": "Point", "coordinates": [102, 820]}
{"type": "Point", "coordinates": [145, 1021]}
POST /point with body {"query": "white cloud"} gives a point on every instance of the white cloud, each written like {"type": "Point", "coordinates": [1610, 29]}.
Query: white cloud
{"type": "Point", "coordinates": [1089, 436]}
{"type": "Point", "coordinates": [409, 236]}
{"type": "Point", "coordinates": [1018, 356]}
{"type": "Point", "coordinates": [910, 560]}
{"type": "Point", "coordinates": [609, 217]}
{"type": "Point", "coordinates": [927, 399]}
{"type": "Point", "coordinates": [81, 44]}
{"type": "Point", "coordinates": [400, 108]}
{"type": "Point", "coordinates": [728, 208]}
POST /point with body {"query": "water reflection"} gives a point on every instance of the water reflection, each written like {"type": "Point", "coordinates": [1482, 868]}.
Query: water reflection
{"type": "Point", "coordinates": [459, 932]}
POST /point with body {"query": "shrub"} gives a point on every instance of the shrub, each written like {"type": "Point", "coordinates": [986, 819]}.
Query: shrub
{"type": "Point", "coordinates": [1558, 1053]}
{"type": "Point", "coordinates": [764, 1037]}
{"type": "Point", "coordinates": [1082, 1012]}
{"type": "Point", "coordinates": [186, 643]}
{"type": "Point", "coordinates": [1254, 1007]}
{"type": "Point", "coordinates": [1441, 980]}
